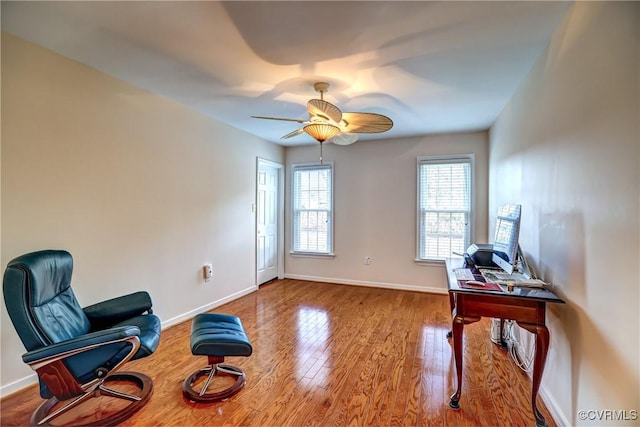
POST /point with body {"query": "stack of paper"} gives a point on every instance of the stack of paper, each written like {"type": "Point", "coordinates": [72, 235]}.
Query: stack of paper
{"type": "Point", "coordinates": [516, 279]}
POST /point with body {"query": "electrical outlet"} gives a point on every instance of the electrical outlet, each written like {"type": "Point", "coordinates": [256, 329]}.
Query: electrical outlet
{"type": "Point", "coordinates": [367, 260]}
{"type": "Point", "coordinates": [207, 272]}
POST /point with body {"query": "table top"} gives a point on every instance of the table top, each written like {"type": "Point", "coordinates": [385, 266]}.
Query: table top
{"type": "Point", "coordinates": [543, 294]}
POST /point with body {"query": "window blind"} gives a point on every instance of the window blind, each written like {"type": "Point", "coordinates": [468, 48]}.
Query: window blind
{"type": "Point", "coordinates": [312, 203]}
{"type": "Point", "coordinates": [444, 206]}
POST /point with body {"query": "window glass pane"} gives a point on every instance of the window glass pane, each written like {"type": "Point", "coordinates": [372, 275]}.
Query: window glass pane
{"type": "Point", "coordinates": [312, 208]}
{"type": "Point", "coordinates": [444, 206]}
{"type": "Point", "coordinates": [445, 186]}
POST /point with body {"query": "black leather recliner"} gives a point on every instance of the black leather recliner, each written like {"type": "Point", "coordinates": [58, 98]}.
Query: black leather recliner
{"type": "Point", "coordinates": [76, 351]}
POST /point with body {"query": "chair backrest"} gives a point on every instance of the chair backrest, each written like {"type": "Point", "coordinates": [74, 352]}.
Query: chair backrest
{"type": "Point", "coordinates": [40, 301]}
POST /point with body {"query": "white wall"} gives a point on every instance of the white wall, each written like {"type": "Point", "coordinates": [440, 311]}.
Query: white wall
{"type": "Point", "coordinates": [567, 148]}
{"type": "Point", "coordinates": [141, 190]}
{"type": "Point", "coordinates": [375, 210]}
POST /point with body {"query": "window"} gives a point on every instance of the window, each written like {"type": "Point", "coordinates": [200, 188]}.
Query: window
{"type": "Point", "coordinates": [312, 204]}
{"type": "Point", "coordinates": [444, 206]}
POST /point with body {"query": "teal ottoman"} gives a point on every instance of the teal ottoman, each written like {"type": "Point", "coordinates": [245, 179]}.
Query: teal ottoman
{"type": "Point", "coordinates": [216, 336]}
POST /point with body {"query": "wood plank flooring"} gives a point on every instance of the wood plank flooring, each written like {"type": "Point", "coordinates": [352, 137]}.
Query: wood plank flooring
{"type": "Point", "coordinates": [328, 354]}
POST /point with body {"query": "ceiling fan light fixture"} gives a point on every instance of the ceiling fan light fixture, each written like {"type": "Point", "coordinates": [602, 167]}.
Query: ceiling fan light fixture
{"type": "Point", "coordinates": [321, 131]}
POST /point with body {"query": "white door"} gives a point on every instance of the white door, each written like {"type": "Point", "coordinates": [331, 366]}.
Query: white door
{"type": "Point", "coordinates": [267, 222]}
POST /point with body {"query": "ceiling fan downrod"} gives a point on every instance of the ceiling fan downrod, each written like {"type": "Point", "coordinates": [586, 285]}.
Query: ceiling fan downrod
{"type": "Point", "coordinates": [321, 87]}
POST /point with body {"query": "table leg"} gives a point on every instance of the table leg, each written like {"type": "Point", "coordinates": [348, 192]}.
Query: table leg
{"type": "Point", "coordinates": [503, 343]}
{"type": "Point", "coordinates": [452, 305]}
{"type": "Point", "coordinates": [452, 301]}
{"type": "Point", "coordinates": [459, 320]}
{"type": "Point", "coordinates": [542, 347]}
{"type": "Point", "coordinates": [457, 327]}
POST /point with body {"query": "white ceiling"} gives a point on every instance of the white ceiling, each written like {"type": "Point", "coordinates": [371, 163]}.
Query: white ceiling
{"type": "Point", "coordinates": [432, 67]}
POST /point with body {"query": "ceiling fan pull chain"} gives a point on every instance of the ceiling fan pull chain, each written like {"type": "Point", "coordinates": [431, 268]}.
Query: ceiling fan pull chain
{"type": "Point", "coordinates": [321, 144]}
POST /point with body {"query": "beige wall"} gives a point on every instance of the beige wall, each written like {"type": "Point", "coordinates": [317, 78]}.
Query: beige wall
{"type": "Point", "coordinates": [375, 210]}
{"type": "Point", "coordinates": [141, 190]}
{"type": "Point", "coordinates": [567, 149]}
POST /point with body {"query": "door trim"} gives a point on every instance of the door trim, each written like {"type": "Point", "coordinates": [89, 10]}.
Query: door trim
{"type": "Point", "coordinates": [280, 217]}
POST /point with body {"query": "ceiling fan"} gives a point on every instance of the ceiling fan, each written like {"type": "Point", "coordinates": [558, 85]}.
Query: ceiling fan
{"type": "Point", "coordinates": [327, 123]}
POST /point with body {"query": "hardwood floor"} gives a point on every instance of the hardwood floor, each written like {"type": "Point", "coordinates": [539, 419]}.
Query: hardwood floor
{"type": "Point", "coordinates": [329, 354]}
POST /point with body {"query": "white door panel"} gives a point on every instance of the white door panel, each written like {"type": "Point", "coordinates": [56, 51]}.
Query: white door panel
{"type": "Point", "coordinates": [267, 223]}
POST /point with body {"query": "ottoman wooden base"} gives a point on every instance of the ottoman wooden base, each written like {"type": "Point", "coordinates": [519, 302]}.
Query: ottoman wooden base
{"type": "Point", "coordinates": [218, 370]}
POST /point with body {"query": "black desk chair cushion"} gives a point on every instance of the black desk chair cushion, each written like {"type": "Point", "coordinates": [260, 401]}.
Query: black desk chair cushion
{"type": "Point", "coordinates": [53, 327]}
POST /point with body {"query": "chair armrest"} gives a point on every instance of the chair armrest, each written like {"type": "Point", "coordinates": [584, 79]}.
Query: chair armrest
{"type": "Point", "coordinates": [106, 313]}
{"type": "Point", "coordinates": [83, 343]}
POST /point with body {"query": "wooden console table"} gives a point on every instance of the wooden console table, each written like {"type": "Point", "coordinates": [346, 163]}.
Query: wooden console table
{"type": "Point", "coordinates": [526, 306]}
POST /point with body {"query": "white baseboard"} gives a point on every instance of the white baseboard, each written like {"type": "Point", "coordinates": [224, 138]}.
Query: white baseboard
{"type": "Point", "coordinates": [202, 309]}
{"type": "Point", "coordinates": [557, 414]}
{"type": "Point", "coordinates": [18, 385]}
{"type": "Point", "coordinates": [397, 286]}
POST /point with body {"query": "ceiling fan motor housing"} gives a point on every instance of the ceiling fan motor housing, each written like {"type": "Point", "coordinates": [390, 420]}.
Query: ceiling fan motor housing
{"type": "Point", "coordinates": [321, 87]}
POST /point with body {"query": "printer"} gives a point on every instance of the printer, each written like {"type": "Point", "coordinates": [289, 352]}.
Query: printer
{"type": "Point", "coordinates": [481, 254]}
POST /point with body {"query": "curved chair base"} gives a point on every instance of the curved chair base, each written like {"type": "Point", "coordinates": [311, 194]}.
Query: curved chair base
{"type": "Point", "coordinates": [142, 382]}
{"type": "Point", "coordinates": [211, 371]}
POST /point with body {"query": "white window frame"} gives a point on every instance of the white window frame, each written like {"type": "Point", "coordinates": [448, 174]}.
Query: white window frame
{"type": "Point", "coordinates": [330, 231]}
{"type": "Point", "coordinates": [435, 160]}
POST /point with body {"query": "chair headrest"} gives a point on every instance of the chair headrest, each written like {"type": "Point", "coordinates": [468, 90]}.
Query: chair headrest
{"type": "Point", "coordinates": [40, 301]}
{"type": "Point", "coordinates": [48, 274]}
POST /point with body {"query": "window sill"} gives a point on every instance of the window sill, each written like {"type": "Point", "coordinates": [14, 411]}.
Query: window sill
{"type": "Point", "coordinates": [429, 262]}
{"type": "Point", "coordinates": [311, 255]}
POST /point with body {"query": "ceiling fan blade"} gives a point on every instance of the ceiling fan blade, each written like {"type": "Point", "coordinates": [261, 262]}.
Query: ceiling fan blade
{"type": "Point", "coordinates": [366, 122]}
{"type": "Point", "coordinates": [344, 138]}
{"type": "Point", "coordinates": [283, 119]}
{"type": "Point", "coordinates": [324, 110]}
{"type": "Point", "coordinates": [292, 134]}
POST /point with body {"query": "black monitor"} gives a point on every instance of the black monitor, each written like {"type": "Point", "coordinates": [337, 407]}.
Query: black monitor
{"type": "Point", "coordinates": [505, 241]}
